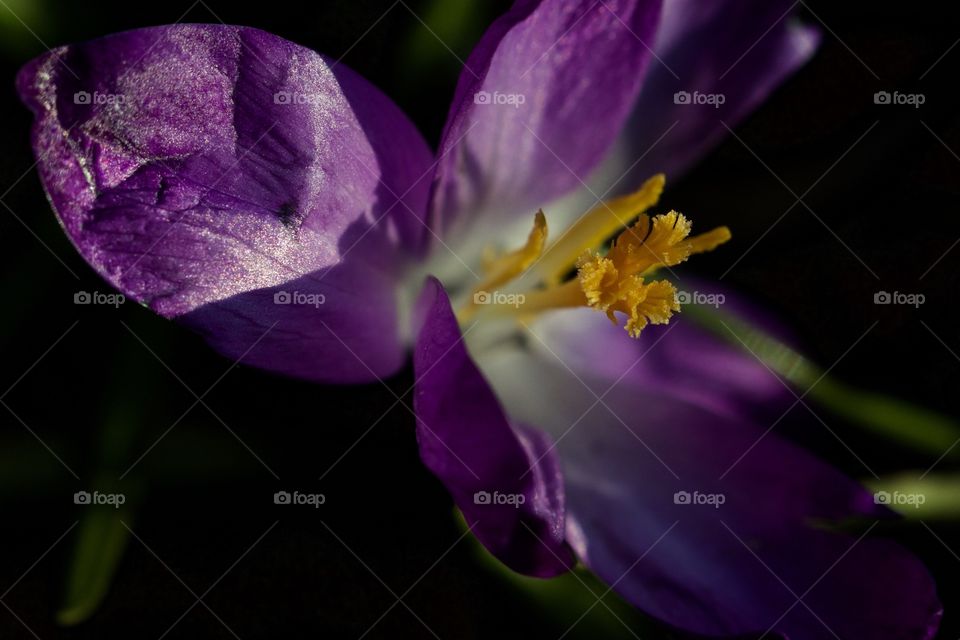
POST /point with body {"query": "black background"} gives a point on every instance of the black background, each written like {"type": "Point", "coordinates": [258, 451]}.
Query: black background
{"type": "Point", "coordinates": [893, 200]}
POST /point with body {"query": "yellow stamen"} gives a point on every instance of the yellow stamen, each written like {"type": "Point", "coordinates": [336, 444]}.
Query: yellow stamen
{"type": "Point", "coordinates": [614, 283]}
{"type": "Point", "coordinates": [596, 226]}
{"type": "Point", "coordinates": [662, 242]}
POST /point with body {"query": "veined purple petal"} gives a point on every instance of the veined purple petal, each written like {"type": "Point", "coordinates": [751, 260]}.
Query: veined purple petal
{"type": "Point", "coordinates": [734, 51]}
{"type": "Point", "coordinates": [234, 180]}
{"type": "Point", "coordinates": [540, 99]}
{"type": "Point", "coordinates": [504, 478]}
{"type": "Point", "coordinates": [710, 525]}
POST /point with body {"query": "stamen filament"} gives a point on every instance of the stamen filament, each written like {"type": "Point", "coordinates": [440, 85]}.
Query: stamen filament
{"type": "Point", "coordinates": [594, 228]}
{"type": "Point", "coordinates": [563, 296]}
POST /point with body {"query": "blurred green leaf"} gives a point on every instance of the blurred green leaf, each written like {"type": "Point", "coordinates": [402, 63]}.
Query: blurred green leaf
{"type": "Point", "coordinates": [431, 54]}
{"type": "Point", "coordinates": [919, 428]}
{"type": "Point", "coordinates": [102, 535]}
{"type": "Point", "coordinates": [22, 24]}
{"type": "Point", "coordinates": [101, 540]}
{"type": "Point", "coordinates": [449, 30]}
{"type": "Point", "coordinates": [920, 495]}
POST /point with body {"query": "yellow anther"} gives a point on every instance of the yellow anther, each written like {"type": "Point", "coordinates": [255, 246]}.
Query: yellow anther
{"type": "Point", "coordinates": [652, 303]}
{"type": "Point", "coordinates": [599, 280]}
{"type": "Point", "coordinates": [607, 290]}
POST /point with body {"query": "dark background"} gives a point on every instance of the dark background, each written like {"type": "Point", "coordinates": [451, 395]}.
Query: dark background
{"type": "Point", "coordinates": [203, 499]}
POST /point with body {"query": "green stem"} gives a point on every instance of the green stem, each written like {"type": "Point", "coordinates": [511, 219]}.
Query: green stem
{"type": "Point", "coordinates": [921, 429]}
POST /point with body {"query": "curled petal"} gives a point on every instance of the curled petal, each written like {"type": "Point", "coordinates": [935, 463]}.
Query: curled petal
{"type": "Point", "coordinates": [234, 180]}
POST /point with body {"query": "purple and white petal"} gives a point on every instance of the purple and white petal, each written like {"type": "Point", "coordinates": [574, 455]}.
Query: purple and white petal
{"type": "Point", "coordinates": [707, 524]}
{"type": "Point", "coordinates": [503, 477]}
{"type": "Point", "coordinates": [540, 100]}
{"type": "Point", "coordinates": [209, 170]}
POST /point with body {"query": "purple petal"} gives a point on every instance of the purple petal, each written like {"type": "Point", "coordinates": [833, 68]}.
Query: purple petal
{"type": "Point", "coordinates": [725, 49]}
{"type": "Point", "coordinates": [681, 360]}
{"type": "Point", "coordinates": [576, 67]}
{"type": "Point", "coordinates": [708, 574]}
{"type": "Point", "coordinates": [737, 568]}
{"type": "Point", "coordinates": [468, 443]}
{"type": "Point", "coordinates": [201, 169]}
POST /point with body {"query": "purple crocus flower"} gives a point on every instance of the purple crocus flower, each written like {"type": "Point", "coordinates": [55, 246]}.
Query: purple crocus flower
{"type": "Point", "coordinates": [274, 201]}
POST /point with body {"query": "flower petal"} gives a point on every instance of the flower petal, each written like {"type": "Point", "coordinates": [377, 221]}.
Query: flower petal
{"type": "Point", "coordinates": [467, 442]}
{"type": "Point", "coordinates": [724, 49]}
{"type": "Point", "coordinates": [203, 169]}
{"type": "Point", "coordinates": [731, 568]}
{"type": "Point", "coordinates": [682, 359]}
{"type": "Point", "coordinates": [539, 101]}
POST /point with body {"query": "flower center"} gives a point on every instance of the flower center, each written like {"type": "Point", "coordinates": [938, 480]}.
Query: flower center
{"type": "Point", "coordinates": [617, 282]}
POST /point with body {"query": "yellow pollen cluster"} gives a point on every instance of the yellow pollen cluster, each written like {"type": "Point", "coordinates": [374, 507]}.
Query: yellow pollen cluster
{"type": "Point", "coordinates": [642, 303]}
{"type": "Point", "coordinates": [618, 282]}
{"type": "Point", "coordinates": [615, 282]}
